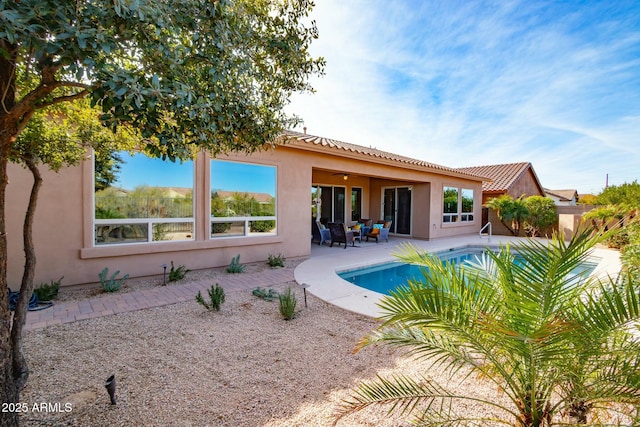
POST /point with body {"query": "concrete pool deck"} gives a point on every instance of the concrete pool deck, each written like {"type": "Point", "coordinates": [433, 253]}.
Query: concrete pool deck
{"type": "Point", "coordinates": [318, 273]}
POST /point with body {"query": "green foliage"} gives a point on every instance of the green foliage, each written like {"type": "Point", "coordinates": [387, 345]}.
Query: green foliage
{"type": "Point", "coordinates": [235, 266]}
{"type": "Point", "coordinates": [618, 239]}
{"type": "Point", "coordinates": [60, 135]}
{"type": "Point", "coordinates": [262, 226]}
{"type": "Point", "coordinates": [269, 295]}
{"type": "Point", "coordinates": [111, 284]}
{"type": "Point", "coordinates": [542, 214]}
{"type": "Point", "coordinates": [287, 304]}
{"type": "Point", "coordinates": [625, 194]}
{"type": "Point", "coordinates": [187, 74]}
{"type": "Point", "coordinates": [48, 291]}
{"type": "Point", "coordinates": [511, 212]}
{"type": "Point", "coordinates": [107, 213]}
{"type": "Point", "coordinates": [606, 216]}
{"type": "Point", "coordinates": [216, 298]}
{"type": "Point", "coordinates": [630, 254]}
{"type": "Point", "coordinates": [177, 273]}
{"type": "Point", "coordinates": [220, 227]}
{"type": "Point", "coordinates": [587, 199]}
{"type": "Point", "coordinates": [241, 204]}
{"type": "Point", "coordinates": [144, 202]}
{"type": "Point", "coordinates": [148, 70]}
{"type": "Point", "coordinates": [556, 344]}
{"type": "Point", "coordinates": [276, 260]}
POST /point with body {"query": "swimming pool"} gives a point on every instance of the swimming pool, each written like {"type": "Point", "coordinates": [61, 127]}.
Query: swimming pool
{"type": "Point", "coordinates": [385, 277]}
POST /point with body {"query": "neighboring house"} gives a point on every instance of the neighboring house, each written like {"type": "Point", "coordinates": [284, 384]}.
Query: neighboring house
{"type": "Point", "coordinates": [302, 177]}
{"type": "Point", "coordinates": [513, 179]}
{"type": "Point", "coordinates": [563, 197]}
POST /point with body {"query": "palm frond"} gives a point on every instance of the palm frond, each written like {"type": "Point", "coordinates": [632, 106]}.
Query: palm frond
{"type": "Point", "coordinates": [404, 395]}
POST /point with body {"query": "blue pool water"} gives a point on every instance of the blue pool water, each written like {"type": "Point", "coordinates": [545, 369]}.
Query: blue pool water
{"type": "Point", "coordinates": [385, 277]}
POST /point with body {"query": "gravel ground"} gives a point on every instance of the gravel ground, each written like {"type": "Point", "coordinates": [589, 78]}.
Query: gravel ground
{"type": "Point", "coordinates": [181, 365]}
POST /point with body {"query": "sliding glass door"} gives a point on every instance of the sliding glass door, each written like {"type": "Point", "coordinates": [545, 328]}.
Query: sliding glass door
{"type": "Point", "coordinates": [396, 207]}
{"type": "Point", "coordinates": [330, 203]}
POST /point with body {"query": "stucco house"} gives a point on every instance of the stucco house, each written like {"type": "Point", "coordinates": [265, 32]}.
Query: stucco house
{"type": "Point", "coordinates": [513, 179]}
{"type": "Point", "coordinates": [567, 197]}
{"type": "Point", "coordinates": [79, 231]}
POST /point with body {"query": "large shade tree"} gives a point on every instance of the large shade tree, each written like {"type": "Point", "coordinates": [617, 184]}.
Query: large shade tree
{"type": "Point", "coordinates": [211, 74]}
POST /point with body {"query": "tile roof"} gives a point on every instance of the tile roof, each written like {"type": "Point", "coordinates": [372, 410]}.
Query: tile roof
{"type": "Point", "coordinates": [373, 152]}
{"type": "Point", "coordinates": [503, 176]}
{"type": "Point", "coordinates": [565, 195]}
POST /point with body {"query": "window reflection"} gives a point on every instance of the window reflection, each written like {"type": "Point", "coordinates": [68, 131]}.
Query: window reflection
{"type": "Point", "coordinates": [243, 199]}
{"type": "Point", "coordinates": [142, 199]}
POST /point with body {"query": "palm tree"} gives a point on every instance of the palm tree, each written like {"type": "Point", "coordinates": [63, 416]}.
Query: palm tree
{"type": "Point", "coordinates": [511, 212]}
{"type": "Point", "coordinates": [556, 341]}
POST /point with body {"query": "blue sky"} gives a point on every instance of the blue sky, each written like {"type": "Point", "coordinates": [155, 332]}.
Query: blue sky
{"type": "Point", "coordinates": [469, 83]}
{"type": "Point", "coordinates": [229, 176]}
{"type": "Point", "coordinates": [142, 170]}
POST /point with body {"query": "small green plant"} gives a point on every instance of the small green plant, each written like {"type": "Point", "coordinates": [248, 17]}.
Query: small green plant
{"type": "Point", "coordinates": [276, 260]}
{"type": "Point", "coordinates": [264, 294]}
{"type": "Point", "coordinates": [178, 273]}
{"type": "Point", "coordinates": [112, 284]}
{"type": "Point", "coordinates": [48, 292]}
{"type": "Point", "coordinates": [235, 266]}
{"type": "Point", "coordinates": [216, 298]}
{"type": "Point", "coordinates": [288, 304]}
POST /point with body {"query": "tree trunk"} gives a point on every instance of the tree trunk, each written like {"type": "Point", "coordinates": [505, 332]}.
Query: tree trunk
{"type": "Point", "coordinates": [9, 392]}
{"type": "Point", "coordinates": [20, 369]}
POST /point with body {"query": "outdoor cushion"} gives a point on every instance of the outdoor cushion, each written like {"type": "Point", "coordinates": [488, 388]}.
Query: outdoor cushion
{"type": "Point", "coordinates": [377, 226]}
{"type": "Point", "coordinates": [356, 227]}
{"type": "Point", "coordinates": [376, 230]}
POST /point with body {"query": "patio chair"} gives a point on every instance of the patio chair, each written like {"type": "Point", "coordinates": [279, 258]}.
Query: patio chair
{"type": "Point", "coordinates": [339, 234]}
{"type": "Point", "coordinates": [380, 231]}
{"type": "Point", "coordinates": [319, 233]}
{"type": "Point", "coordinates": [367, 225]}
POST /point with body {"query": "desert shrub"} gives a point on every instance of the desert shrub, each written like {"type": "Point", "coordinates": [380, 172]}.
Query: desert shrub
{"type": "Point", "coordinates": [48, 291]}
{"type": "Point", "coordinates": [288, 304]}
{"type": "Point", "coordinates": [178, 273]}
{"type": "Point", "coordinates": [276, 260]}
{"type": "Point", "coordinates": [542, 214]}
{"type": "Point", "coordinates": [235, 266]}
{"type": "Point", "coordinates": [269, 295]}
{"type": "Point", "coordinates": [619, 239]}
{"type": "Point", "coordinates": [262, 226]}
{"type": "Point", "coordinates": [216, 298]}
{"type": "Point", "coordinates": [220, 227]}
{"type": "Point", "coordinates": [111, 284]}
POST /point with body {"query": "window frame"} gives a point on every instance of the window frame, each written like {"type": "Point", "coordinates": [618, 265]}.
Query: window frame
{"type": "Point", "coordinates": [461, 216]}
{"type": "Point", "coordinates": [333, 198]}
{"type": "Point", "coordinates": [242, 221]}
{"type": "Point", "coordinates": [150, 222]}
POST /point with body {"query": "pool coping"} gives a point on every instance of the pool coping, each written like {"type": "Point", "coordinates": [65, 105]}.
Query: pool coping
{"type": "Point", "coordinates": [319, 273]}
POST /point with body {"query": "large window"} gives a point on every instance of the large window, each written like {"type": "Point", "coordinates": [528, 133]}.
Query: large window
{"type": "Point", "coordinates": [457, 205]}
{"type": "Point", "coordinates": [243, 199]}
{"type": "Point", "coordinates": [140, 199]}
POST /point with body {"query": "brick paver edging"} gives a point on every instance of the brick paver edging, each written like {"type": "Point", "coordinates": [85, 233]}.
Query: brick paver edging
{"type": "Point", "coordinates": [115, 303]}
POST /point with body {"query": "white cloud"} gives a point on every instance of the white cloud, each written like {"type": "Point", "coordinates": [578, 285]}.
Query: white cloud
{"type": "Point", "coordinates": [462, 84]}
